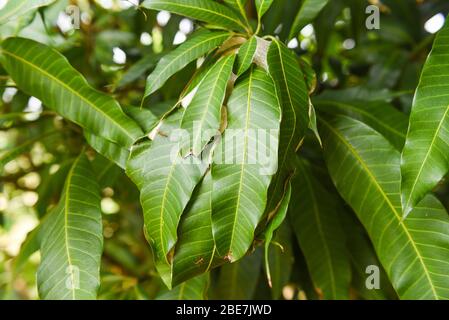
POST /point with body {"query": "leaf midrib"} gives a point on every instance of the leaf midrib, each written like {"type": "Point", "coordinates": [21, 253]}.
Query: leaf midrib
{"type": "Point", "coordinates": [261, 8]}
{"type": "Point", "coordinates": [424, 162]}
{"type": "Point", "coordinates": [66, 226]}
{"type": "Point", "coordinates": [242, 10]}
{"type": "Point", "coordinates": [387, 200]}
{"type": "Point", "coordinates": [245, 155]}
{"type": "Point", "coordinates": [161, 224]}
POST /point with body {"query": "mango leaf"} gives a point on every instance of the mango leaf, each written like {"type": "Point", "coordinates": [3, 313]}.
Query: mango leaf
{"type": "Point", "coordinates": [244, 161]}
{"type": "Point", "coordinates": [281, 259]}
{"type": "Point", "coordinates": [293, 95]}
{"type": "Point", "coordinates": [193, 289]}
{"type": "Point", "coordinates": [274, 224]}
{"type": "Point", "coordinates": [361, 92]}
{"type": "Point", "coordinates": [18, 8]}
{"type": "Point", "coordinates": [198, 45]}
{"type": "Point", "coordinates": [110, 150]}
{"type": "Point", "coordinates": [202, 10]}
{"type": "Point", "coordinates": [166, 182]}
{"type": "Point", "coordinates": [146, 119]}
{"type": "Point", "coordinates": [238, 281]}
{"type": "Point", "coordinates": [308, 12]}
{"type": "Point", "coordinates": [194, 252]}
{"type": "Point", "coordinates": [320, 235]}
{"type": "Point", "coordinates": [238, 5]}
{"type": "Point", "coordinates": [202, 117]}
{"type": "Point", "coordinates": [44, 73]}
{"type": "Point", "coordinates": [379, 115]}
{"type": "Point", "coordinates": [72, 239]}
{"type": "Point", "coordinates": [246, 55]}
{"type": "Point", "coordinates": [262, 6]}
{"type": "Point", "coordinates": [425, 158]}
{"type": "Point", "coordinates": [414, 252]}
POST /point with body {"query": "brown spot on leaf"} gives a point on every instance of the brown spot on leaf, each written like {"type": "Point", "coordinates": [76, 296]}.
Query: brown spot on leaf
{"type": "Point", "coordinates": [319, 292]}
{"type": "Point", "coordinates": [228, 257]}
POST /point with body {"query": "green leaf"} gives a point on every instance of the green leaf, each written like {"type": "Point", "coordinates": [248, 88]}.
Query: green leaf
{"type": "Point", "coordinates": [425, 158]}
{"type": "Point", "coordinates": [202, 10]}
{"type": "Point", "coordinates": [239, 5]}
{"type": "Point", "coordinates": [202, 118]}
{"type": "Point", "coordinates": [193, 289]}
{"type": "Point", "coordinates": [262, 7]}
{"type": "Point", "coordinates": [293, 95]}
{"type": "Point", "coordinates": [281, 259]}
{"type": "Point", "coordinates": [246, 55]}
{"type": "Point", "coordinates": [195, 249]}
{"type": "Point", "coordinates": [72, 239]}
{"type": "Point", "coordinates": [244, 163]}
{"type": "Point", "coordinates": [110, 150]}
{"type": "Point", "coordinates": [44, 73]}
{"type": "Point", "coordinates": [274, 224]}
{"type": "Point", "coordinates": [198, 45]}
{"type": "Point", "coordinates": [413, 252]}
{"type": "Point", "coordinates": [166, 182]}
{"type": "Point", "coordinates": [379, 115]}
{"type": "Point", "coordinates": [18, 8]}
{"type": "Point", "coordinates": [320, 235]}
{"type": "Point", "coordinates": [360, 93]}
{"type": "Point", "coordinates": [146, 119]}
{"type": "Point", "coordinates": [307, 13]}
